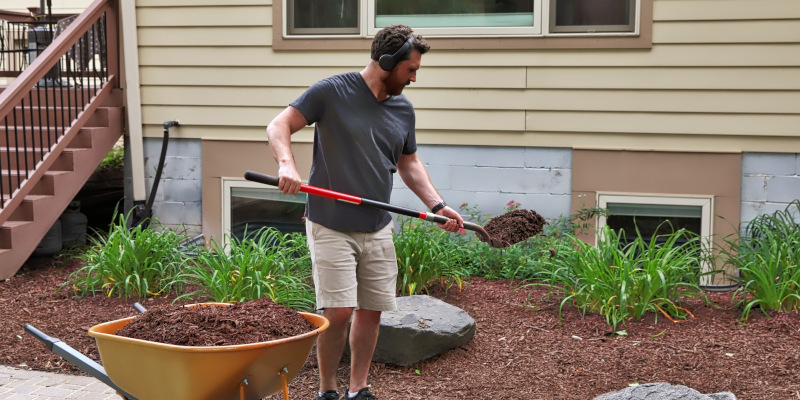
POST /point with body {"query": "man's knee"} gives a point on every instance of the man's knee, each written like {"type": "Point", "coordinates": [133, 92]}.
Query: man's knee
{"type": "Point", "coordinates": [338, 316]}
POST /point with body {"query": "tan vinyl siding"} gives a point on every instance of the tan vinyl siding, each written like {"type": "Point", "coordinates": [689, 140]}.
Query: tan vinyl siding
{"type": "Point", "coordinates": [720, 76]}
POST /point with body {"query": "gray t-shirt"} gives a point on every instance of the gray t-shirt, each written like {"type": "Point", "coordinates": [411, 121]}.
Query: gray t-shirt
{"type": "Point", "coordinates": [358, 141]}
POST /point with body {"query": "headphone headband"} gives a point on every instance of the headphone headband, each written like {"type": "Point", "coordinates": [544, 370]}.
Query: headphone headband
{"type": "Point", "coordinates": [389, 61]}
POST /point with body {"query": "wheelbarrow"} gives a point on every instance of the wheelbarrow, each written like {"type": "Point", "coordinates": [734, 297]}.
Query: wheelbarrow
{"type": "Point", "coordinates": [141, 369]}
{"type": "Point", "coordinates": [347, 198]}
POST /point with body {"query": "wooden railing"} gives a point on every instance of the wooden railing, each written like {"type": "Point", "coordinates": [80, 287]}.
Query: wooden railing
{"type": "Point", "coordinates": [48, 103]}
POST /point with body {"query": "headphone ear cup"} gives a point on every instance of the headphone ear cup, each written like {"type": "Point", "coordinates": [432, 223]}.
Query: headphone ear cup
{"type": "Point", "coordinates": [386, 62]}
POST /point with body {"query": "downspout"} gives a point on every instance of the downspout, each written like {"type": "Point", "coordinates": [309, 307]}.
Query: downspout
{"type": "Point", "coordinates": [142, 214]}
{"type": "Point", "coordinates": [133, 101]}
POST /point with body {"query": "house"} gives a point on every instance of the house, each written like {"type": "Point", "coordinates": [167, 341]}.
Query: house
{"type": "Point", "coordinates": [650, 108]}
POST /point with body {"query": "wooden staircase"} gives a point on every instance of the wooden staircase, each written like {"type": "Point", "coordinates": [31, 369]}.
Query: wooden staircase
{"type": "Point", "coordinates": [28, 223]}
{"type": "Point", "coordinates": [54, 136]}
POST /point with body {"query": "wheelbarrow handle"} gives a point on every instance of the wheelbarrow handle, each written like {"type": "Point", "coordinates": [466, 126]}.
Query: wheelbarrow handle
{"type": "Point", "coordinates": [77, 358]}
{"type": "Point", "coordinates": [347, 198]}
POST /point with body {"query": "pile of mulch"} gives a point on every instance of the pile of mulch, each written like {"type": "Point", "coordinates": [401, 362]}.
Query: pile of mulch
{"type": "Point", "coordinates": [217, 325]}
{"type": "Point", "coordinates": [515, 226]}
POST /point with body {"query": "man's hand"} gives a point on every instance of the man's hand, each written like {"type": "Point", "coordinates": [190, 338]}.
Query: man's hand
{"type": "Point", "coordinates": [289, 180]}
{"type": "Point", "coordinates": [455, 223]}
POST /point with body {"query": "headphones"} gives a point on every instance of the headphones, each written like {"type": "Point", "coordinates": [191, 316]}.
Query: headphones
{"type": "Point", "coordinates": [388, 61]}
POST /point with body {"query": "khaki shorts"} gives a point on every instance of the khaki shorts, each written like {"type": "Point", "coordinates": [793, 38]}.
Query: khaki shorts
{"type": "Point", "coordinates": [353, 269]}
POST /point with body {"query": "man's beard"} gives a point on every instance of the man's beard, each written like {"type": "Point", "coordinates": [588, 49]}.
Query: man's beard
{"type": "Point", "coordinates": [395, 89]}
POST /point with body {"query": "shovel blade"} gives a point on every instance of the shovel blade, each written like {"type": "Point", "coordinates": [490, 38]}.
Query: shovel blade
{"type": "Point", "coordinates": [484, 236]}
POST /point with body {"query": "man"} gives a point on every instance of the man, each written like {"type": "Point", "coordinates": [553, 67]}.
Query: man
{"type": "Point", "coordinates": [364, 133]}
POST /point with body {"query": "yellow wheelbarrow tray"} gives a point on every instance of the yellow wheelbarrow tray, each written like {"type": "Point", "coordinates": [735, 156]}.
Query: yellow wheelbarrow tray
{"type": "Point", "coordinates": [152, 371]}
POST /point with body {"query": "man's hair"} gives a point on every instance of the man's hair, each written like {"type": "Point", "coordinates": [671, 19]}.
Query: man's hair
{"type": "Point", "coordinates": [390, 39]}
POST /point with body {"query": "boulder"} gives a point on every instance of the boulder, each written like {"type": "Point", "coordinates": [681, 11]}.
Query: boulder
{"type": "Point", "coordinates": [663, 391]}
{"type": "Point", "coordinates": [420, 328]}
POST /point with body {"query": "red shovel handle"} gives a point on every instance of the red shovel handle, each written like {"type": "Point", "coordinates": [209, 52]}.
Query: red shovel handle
{"type": "Point", "coordinates": [273, 181]}
{"type": "Point", "coordinates": [317, 191]}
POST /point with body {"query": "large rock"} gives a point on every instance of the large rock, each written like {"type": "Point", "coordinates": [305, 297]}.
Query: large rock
{"type": "Point", "coordinates": [663, 391]}
{"type": "Point", "coordinates": [421, 328]}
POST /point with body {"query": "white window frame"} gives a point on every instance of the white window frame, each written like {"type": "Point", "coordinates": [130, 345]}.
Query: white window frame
{"type": "Point", "coordinates": [228, 184]}
{"type": "Point", "coordinates": [705, 202]}
{"type": "Point", "coordinates": [540, 28]}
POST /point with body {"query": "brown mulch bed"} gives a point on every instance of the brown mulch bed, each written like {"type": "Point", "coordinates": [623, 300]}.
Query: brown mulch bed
{"type": "Point", "coordinates": [521, 348]}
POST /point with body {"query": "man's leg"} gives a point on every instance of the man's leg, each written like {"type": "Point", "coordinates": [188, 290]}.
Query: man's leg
{"type": "Point", "coordinates": [330, 346]}
{"type": "Point", "coordinates": [363, 339]}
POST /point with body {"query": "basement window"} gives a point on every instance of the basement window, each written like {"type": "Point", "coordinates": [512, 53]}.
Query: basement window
{"type": "Point", "coordinates": [654, 215]}
{"type": "Point", "coordinates": [249, 206]}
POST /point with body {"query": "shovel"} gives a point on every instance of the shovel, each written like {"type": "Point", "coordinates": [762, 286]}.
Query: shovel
{"type": "Point", "coordinates": [317, 191]}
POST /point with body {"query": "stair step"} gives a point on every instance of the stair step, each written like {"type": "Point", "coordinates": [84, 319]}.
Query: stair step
{"type": "Point", "coordinates": [22, 159]}
{"type": "Point", "coordinates": [13, 179]}
{"type": "Point", "coordinates": [35, 116]}
{"type": "Point", "coordinates": [8, 230]}
{"type": "Point", "coordinates": [27, 210]}
{"type": "Point", "coordinates": [28, 136]}
{"type": "Point", "coordinates": [16, 134]}
{"type": "Point", "coordinates": [69, 96]}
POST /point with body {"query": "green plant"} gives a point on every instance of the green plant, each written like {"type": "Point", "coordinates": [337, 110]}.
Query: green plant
{"type": "Point", "coordinates": [130, 262]}
{"type": "Point", "coordinates": [624, 281]}
{"type": "Point", "coordinates": [114, 159]}
{"type": "Point", "coordinates": [576, 223]}
{"type": "Point", "coordinates": [524, 260]}
{"type": "Point", "coordinates": [768, 262]}
{"type": "Point", "coordinates": [267, 263]}
{"type": "Point", "coordinates": [426, 255]}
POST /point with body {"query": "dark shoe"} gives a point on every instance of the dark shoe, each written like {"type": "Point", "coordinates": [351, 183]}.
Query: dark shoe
{"type": "Point", "coordinates": [364, 394]}
{"type": "Point", "coordinates": [329, 395]}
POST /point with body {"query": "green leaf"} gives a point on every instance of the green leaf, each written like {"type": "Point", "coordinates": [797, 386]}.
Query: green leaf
{"type": "Point", "coordinates": [658, 334]}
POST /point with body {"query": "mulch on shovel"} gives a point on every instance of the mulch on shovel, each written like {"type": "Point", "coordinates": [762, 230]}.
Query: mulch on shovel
{"type": "Point", "coordinates": [515, 226]}
{"type": "Point", "coordinates": [217, 325]}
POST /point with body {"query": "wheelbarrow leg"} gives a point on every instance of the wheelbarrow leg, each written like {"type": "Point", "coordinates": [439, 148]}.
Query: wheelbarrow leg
{"type": "Point", "coordinates": [285, 383]}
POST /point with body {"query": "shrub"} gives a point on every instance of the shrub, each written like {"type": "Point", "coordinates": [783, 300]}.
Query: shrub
{"type": "Point", "coordinates": [130, 262]}
{"type": "Point", "coordinates": [624, 281]}
{"type": "Point", "coordinates": [767, 259]}
{"type": "Point", "coordinates": [114, 159]}
{"type": "Point", "coordinates": [268, 263]}
{"type": "Point", "coordinates": [426, 255]}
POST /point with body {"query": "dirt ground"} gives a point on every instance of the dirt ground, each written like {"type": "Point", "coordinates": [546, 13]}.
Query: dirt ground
{"type": "Point", "coordinates": [521, 349]}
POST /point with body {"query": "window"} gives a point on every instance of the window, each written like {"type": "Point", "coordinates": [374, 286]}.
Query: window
{"type": "Point", "coordinates": [462, 18]}
{"type": "Point", "coordinates": [647, 213]}
{"type": "Point", "coordinates": [309, 17]}
{"type": "Point", "coordinates": [249, 206]}
{"type": "Point", "coordinates": [591, 16]}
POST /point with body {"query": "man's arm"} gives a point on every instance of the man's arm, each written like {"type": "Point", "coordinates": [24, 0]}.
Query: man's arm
{"type": "Point", "coordinates": [279, 133]}
{"type": "Point", "coordinates": [414, 175]}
